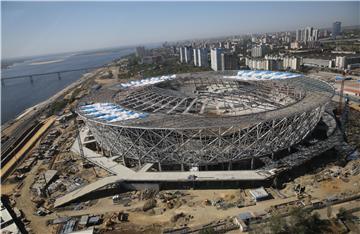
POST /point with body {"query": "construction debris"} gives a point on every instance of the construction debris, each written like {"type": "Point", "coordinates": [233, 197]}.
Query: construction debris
{"type": "Point", "coordinates": [149, 204]}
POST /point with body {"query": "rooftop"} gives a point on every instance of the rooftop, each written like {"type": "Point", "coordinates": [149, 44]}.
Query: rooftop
{"type": "Point", "coordinates": [201, 100]}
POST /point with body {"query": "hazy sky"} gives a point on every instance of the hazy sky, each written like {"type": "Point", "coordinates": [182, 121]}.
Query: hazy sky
{"type": "Point", "coordinates": [33, 28]}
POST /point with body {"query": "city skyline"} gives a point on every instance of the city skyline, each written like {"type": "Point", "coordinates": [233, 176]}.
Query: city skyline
{"type": "Point", "coordinates": [91, 25]}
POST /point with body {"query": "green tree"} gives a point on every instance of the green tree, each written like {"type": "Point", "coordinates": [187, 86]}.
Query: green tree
{"type": "Point", "coordinates": [303, 222]}
{"type": "Point", "coordinates": [277, 224]}
{"type": "Point", "coordinates": [344, 214]}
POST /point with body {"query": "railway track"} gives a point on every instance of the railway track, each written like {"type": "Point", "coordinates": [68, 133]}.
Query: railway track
{"type": "Point", "coordinates": [18, 142]}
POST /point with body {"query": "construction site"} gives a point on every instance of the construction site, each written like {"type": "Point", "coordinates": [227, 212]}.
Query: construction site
{"type": "Point", "coordinates": [184, 153]}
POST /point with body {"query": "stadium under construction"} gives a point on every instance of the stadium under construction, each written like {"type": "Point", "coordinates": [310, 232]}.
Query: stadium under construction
{"type": "Point", "coordinates": [231, 126]}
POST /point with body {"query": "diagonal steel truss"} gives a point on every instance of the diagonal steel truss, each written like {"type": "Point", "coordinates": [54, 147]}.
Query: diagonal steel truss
{"type": "Point", "coordinates": [205, 145]}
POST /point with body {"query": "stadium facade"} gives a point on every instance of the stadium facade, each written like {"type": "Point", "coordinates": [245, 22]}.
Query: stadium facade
{"type": "Point", "coordinates": [205, 118]}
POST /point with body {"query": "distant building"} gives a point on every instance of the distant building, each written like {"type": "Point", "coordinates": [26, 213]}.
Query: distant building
{"type": "Point", "coordinates": [273, 64]}
{"type": "Point", "coordinates": [307, 34]}
{"type": "Point", "coordinates": [291, 63]}
{"type": "Point", "coordinates": [336, 29]}
{"type": "Point", "coordinates": [315, 35]}
{"type": "Point", "coordinates": [340, 62]}
{"type": "Point", "coordinates": [347, 62]}
{"type": "Point", "coordinates": [152, 59]}
{"type": "Point", "coordinates": [256, 63]}
{"type": "Point", "coordinates": [188, 54]}
{"type": "Point", "coordinates": [227, 45]}
{"type": "Point", "coordinates": [140, 51]}
{"type": "Point", "coordinates": [298, 35]}
{"type": "Point", "coordinates": [258, 51]}
{"type": "Point", "coordinates": [182, 54]}
{"type": "Point", "coordinates": [215, 55]}
{"type": "Point", "coordinates": [196, 57]}
{"type": "Point", "coordinates": [203, 60]}
{"type": "Point", "coordinates": [315, 62]}
{"type": "Point", "coordinates": [173, 49]}
{"type": "Point", "coordinates": [295, 45]}
{"type": "Point", "coordinates": [229, 61]}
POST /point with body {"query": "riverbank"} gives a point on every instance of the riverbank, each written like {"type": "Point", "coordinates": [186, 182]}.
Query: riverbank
{"type": "Point", "coordinates": [12, 127]}
{"type": "Point", "coordinates": [24, 93]}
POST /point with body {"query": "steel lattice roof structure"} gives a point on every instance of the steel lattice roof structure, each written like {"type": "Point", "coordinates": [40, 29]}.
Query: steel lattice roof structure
{"type": "Point", "coordinates": [206, 117]}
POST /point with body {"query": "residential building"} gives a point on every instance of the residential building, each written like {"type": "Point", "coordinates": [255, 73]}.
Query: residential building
{"type": "Point", "coordinates": [228, 61]}
{"type": "Point", "coordinates": [315, 35]}
{"type": "Point", "coordinates": [196, 57]}
{"type": "Point", "coordinates": [336, 29]}
{"type": "Point", "coordinates": [258, 51]}
{"type": "Point", "coordinates": [188, 54]}
{"type": "Point", "coordinates": [347, 62]}
{"type": "Point", "coordinates": [256, 63]}
{"type": "Point", "coordinates": [291, 63]}
{"type": "Point", "coordinates": [140, 51]}
{"type": "Point", "coordinates": [203, 60]}
{"type": "Point", "coordinates": [315, 62]}
{"type": "Point", "coordinates": [307, 34]}
{"type": "Point", "coordinates": [340, 62]}
{"type": "Point", "coordinates": [273, 63]}
{"type": "Point", "coordinates": [215, 56]}
{"type": "Point", "coordinates": [182, 54]}
{"type": "Point", "coordinates": [298, 35]}
{"type": "Point", "coordinates": [295, 45]}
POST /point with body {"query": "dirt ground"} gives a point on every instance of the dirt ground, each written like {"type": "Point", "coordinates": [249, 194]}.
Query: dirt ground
{"type": "Point", "coordinates": [194, 205]}
{"type": "Point", "coordinates": [203, 213]}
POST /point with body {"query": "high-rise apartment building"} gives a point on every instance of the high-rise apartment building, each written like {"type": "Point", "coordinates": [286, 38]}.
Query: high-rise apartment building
{"type": "Point", "coordinates": [336, 29]}
{"type": "Point", "coordinates": [258, 51]}
{"type": "Point", "coordinates": [298, 35]}
{"type": "Point", "coordinates": [140, 51]}
{"type": "Point", "coordinates": [182, 54]}
{"type": "Point", "coordinates": [196, 57]}
{"type": "Point", "coordinates": [188, 54]}
{"type": "Point", "coordinates": [307, 34]}
{"type": "Point", "coordinates": [292, 63]}
{"type": "Point", "coordinates": [228, 61]}
{"type": "Point", "coordinates": [215, 55]}
{"type": "Point", "coordinates": [203, 60]}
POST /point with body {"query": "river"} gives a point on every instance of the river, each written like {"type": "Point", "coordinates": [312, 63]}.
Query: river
{"type": "Point", "coordinates": [19, 94]}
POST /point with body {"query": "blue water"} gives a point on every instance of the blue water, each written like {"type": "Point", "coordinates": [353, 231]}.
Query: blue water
{"type": "Point", "coordinates": [20, 94]}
